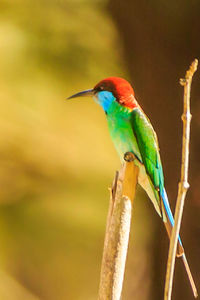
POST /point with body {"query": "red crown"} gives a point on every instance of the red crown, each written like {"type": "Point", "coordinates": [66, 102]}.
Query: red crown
{"type": "Point", "coordinates": [121, 89]}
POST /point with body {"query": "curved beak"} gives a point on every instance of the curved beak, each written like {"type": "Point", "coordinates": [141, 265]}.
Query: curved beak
{"type": "Point", "coordinates": [85, 93]}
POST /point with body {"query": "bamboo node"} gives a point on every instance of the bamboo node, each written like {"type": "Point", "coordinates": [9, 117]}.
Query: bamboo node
{"type": "Point", "coordinates": [183, 81]}
{"type": "Point", "coordinates": [186, 117]}
{"type": "Point", "coordinates": [186, 185]}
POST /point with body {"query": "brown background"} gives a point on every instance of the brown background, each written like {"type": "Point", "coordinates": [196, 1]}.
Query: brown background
{"type": "Point", "coordinates": [160, 39]}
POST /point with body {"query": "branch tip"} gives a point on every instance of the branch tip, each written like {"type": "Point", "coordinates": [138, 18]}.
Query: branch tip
{"type": "Point", "coordinates": [182, 187]}
{"type": "Point", "coordinates": [189, 73]}
{"type": "Point", "coordinates": [192, 70]}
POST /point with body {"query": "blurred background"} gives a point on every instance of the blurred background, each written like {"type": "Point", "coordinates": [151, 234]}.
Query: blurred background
{"type": "Point", "coordinates": [57, 159]}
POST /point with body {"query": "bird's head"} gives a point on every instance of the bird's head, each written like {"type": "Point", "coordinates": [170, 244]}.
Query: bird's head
{"type": "Point", "coordinates": [109, 90]}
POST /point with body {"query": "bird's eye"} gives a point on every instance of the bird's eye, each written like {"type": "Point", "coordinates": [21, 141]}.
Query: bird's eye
{"type": "Point", "coordinates": [100, 88]}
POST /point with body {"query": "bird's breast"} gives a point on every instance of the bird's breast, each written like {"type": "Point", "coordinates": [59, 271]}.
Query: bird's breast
{"type": "Point", "coordinates": [122, 133]}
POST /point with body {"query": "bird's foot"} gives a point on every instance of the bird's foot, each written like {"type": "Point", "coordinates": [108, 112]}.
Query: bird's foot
{"type": "Point", "coordinates": [129, 156]}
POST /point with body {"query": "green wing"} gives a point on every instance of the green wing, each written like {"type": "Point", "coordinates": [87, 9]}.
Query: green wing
{"type": "Point", "coordinates": [148, 146]}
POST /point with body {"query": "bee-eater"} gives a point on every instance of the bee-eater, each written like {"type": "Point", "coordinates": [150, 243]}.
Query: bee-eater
{"type": "Point", "coordinates": [131, 131]}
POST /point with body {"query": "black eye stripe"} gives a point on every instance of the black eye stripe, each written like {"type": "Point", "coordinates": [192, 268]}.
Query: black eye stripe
{"type": "Point", "coordinates": [99, 88]}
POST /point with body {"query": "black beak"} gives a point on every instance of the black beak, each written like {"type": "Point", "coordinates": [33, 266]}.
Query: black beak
{"type": "Point", "coordinates": [85, 93]}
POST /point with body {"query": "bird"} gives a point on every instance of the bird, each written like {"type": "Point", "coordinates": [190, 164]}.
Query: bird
{"type": "Point", "coordinates": [131, 131]}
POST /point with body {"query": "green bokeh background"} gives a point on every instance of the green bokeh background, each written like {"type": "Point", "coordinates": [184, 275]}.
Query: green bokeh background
{"type": "Point", "coordinates": [56, 157]}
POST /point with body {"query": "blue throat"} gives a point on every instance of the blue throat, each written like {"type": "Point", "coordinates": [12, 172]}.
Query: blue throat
{"type": "Point", "coordinates": [105, 99]}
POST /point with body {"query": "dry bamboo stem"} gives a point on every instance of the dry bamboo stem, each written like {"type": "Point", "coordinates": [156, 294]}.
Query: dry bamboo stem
{"type": "Point", "coordinates": [183, 184]}
{"type": "Point", "coordinates": [117, 231]}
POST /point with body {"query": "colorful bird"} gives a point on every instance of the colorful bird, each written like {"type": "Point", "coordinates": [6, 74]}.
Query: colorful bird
{"type": "Point", "coordinates": [131, 131]}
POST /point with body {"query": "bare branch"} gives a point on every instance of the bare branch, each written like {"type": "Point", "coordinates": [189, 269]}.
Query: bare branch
{"type": "Point", "coordinates": [183, 186]}
{"type": "Point", "coordinates": [117, 232]}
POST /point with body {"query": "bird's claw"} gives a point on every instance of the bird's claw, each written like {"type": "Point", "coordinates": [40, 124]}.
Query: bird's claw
{"type": "Point", "coordinates": [129, 156]}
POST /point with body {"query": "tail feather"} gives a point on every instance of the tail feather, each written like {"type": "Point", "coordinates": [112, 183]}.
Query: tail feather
{"type": "Point", "coordinates": [170, 221]}
{"type": "Point", "coordinates": [180, 250]}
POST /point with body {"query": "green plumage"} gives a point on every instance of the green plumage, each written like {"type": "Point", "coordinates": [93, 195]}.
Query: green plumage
{"type": "Point", "coordinates": [148, 146]}
{"type": "Point", "coordinates": [131, 131]}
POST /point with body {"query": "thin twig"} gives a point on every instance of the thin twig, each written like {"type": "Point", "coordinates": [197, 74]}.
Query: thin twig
{"type": "Point", "coordinates": [183, 184]}
{"type": "Point", "coordinates": [117, 232]}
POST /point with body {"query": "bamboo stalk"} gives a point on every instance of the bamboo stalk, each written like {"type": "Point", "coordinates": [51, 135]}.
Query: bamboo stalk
{"type": "Point", "coordinates": [183, 184]}
{"type": "Point", "coordinates": [117, 231]}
